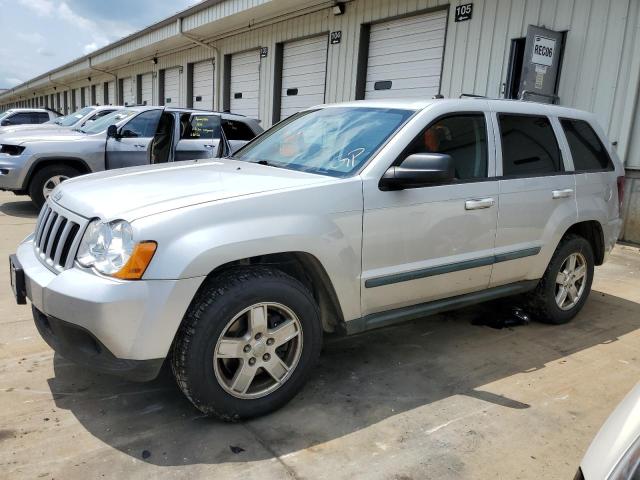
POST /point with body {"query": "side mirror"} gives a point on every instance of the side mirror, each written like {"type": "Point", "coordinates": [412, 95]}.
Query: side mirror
{"type": "Point", "coordinates": [5, 123]}
{"type": "Point", "coordinates": [112, 131]}
{"type": "Point", "coordinates": [419, 170]}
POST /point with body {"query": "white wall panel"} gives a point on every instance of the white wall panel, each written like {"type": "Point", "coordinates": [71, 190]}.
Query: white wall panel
{"type": "Point", "coordinates": [304, 72]}
{"type": "Point", "coordinates": [203, 85]}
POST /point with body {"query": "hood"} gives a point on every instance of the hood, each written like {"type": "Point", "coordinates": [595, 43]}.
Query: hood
{"type": "Point", "coordinates": [29, 128]}
{"type": "Point", "coordinates": [131, 193]}
{"type": "Point", "coordinates": [40, 135]}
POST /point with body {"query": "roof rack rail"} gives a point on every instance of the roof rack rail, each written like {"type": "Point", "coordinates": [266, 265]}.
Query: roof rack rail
{"type": "Point", "coordinates": [471, 95]}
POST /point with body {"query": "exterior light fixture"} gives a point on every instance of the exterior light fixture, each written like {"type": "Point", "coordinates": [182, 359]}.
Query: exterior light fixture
{"type": "Point", "coordinates": [338, 8]}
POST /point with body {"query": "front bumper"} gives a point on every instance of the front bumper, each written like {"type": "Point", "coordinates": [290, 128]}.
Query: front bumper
{"type": "Point", "coordinates": [12, 172]}
{"type": "Point", "coordinates": [127, 321]}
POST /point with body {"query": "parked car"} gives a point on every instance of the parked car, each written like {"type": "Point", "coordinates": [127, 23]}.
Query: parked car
{"type": "Point", "coordinates": [343, 218]}
{"type": "Point", "coordinates": [614, 453]}
{"type": "Point", "coordinates": [76, 119]}
{"type": "Point", "coordinates": [24, 116]}
{"type": "Point", "coordinates": [35, 162]}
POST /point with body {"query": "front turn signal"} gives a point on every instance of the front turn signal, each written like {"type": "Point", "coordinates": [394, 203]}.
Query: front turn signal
{"type": "Point", "coordinates": [138, 262]}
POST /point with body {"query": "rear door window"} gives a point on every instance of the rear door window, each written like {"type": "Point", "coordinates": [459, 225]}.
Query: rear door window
{"type": "Point", "coordinates": [20, 118]}
{"type": "Point", "coordinates": [202, 126]}
{"type": "Point", "coordinates": [588, 152]}
{"type": "Point", "coordinates": [529, 146]}
{"type": "Point", "coordinates": [236, 130]}
{"type": "Point", "coordinates": [40, 117]}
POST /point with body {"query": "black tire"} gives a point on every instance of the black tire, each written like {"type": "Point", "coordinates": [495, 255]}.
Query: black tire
{"type": "Point", "coordinates": [542, 301]}
{"type": "Point", "coordinates": [42, 176]}
{"type": "Point", "coordinates": [215, 305]}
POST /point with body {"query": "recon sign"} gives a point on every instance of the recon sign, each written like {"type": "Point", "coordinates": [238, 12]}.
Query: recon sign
{"type": "Point", "coordinates": [543, 49]}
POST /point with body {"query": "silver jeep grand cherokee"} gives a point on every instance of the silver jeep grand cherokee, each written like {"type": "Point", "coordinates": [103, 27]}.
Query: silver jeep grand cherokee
{"type": "Point", "coordinates": [343, 217]}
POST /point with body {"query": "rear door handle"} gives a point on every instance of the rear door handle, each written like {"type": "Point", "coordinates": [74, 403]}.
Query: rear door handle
{"type": "Point", "coordinates": [567, 192]}
{"type": "Point", "coordinates": [208, 146]}
{"type": "Point", "coordinates": [479, 203]}
{"type": "Point", "coordinates": [137, 145]}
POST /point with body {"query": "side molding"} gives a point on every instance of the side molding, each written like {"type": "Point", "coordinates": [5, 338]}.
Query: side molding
{"type": "Point", "coordinates": [451, 267]}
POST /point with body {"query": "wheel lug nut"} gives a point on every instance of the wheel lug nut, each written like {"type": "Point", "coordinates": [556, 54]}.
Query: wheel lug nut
{"type": "Point", "coordinates": [266, 357]}
{"type": "Point", "coordinates": [252, 361]}
{"type": "Point", "coordinates": [247, 348]}
{"type": "Point", "coordinates": [270, 341]}
{"type": "Point", "coordinates": [258, 336]}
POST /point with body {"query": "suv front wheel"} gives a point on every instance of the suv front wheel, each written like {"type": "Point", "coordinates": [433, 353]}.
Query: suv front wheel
{"type": "Point", "coordinates": [248, 343]}
{"type": "Point", "coordinates": [566, 284]}
{"type": "Point", "coordinates": [46, 179]}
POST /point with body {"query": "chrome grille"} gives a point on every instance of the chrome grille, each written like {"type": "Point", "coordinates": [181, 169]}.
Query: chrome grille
{"type": "Point", "coordinates": [58, 234]}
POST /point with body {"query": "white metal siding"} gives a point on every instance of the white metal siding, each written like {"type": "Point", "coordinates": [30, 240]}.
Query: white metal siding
{"type": "Point", "coordinates": [304, 73]}
{"type": "Point", "coordinates": [203, 85]}
{"type": "Point", "coordinates": [172, 87]}
{"type": "Point", "coordinates": [245, 83]}
{"type": "Point", "coordinates": [147, 89]}
{"type": "Point", "coordinates": [128, 95]}
{"type": "Point", "coordinates": [408, 53]}
{"type": "Point", "coordinates": [111, 92]}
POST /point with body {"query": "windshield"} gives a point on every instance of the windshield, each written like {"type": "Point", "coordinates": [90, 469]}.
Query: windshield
{"type": "Point", "coordinates": [103, 123]}
{"type": "Point", "coordinates": [73, 118]}
{"type": "Point", "coordinates": [334, 141]}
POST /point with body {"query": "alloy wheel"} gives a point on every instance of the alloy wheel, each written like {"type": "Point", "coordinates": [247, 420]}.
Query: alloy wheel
{"type": "Point", "coordinates": [571, 281]}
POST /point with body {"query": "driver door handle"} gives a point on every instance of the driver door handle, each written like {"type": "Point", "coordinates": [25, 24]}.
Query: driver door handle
{"type": "Point", "coordinates": [137, 145]}
{"type": "Point", "coordinates": [208, 146]}
{"type": "Point", "coordinates": [567, 192]}
{"type": "Point", "coordinates": [479, 203]}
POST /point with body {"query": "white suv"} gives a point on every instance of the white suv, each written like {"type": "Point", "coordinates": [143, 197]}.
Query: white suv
{"type": "Point", "coordinates": [343, 218]}
{"type": "Point", "coordinates": [26, 116]}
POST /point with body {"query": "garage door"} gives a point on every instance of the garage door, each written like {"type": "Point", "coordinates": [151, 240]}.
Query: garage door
{"type": "Point", "coordinates": [245, 83]}
{"type": "Point", "coordinates": [77, 101]}
{"type": "Point", "coordinates": [304, 66]}
{"type": "Point", "coordinates": [172, 87]}
{"type": "Point", "coordinates": [203, 85]}
{"type": "Point", "coordinates": [128, 96]}
{"type": "Point", "coordinates": [111, 93]}
{"type": "Point", "coordinates": [100, 94]}
{"type": "Point", "coordinates": [405, 57]}
{"type": "Point", "coordinates": [147, 89]}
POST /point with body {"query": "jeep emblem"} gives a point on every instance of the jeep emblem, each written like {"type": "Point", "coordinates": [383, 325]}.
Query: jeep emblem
{"type": "Point", "coordinates": [57, 196]}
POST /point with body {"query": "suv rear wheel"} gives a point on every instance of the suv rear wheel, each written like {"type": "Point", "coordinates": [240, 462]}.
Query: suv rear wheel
{"type": "Point", "coordinates": [46, 179]}
{"type": "Point", "coordinates": [247, 343]}
{"type": "Point", "coordinates": [566, 284]}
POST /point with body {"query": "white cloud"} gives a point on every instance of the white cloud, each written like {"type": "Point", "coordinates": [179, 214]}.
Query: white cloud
{"type": "Point", "coordinates": [33, 38]}
{"type": "Point", "coordinates": [90, 47]}
{"type": "Point", "coordinates": [44, 8]}
{"type": "Point", "coordinates": [45, 53]}
{"type": "Point", "coordinates": [12, 81]}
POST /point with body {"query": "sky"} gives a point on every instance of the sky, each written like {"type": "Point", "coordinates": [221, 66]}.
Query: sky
{"type": "Point", "coordinates": [39, 35]}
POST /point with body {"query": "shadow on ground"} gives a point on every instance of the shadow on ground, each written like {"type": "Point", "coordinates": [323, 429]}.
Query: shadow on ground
{"type": "Point", "coordinates": [360, 381]}
{"type": "Point", "coordinates": [20, 209]}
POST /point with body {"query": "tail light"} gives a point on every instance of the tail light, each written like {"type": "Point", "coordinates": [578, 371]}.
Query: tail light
{"type": "Point", "coordinates": [620, 182]}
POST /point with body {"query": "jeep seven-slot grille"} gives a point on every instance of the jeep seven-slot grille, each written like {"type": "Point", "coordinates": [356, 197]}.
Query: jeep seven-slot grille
{"type": "Point", "coordinates": [57, 238]}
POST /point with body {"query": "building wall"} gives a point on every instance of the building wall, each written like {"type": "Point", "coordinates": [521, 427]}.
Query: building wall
{"type": "Point", "coordinates": [599, 73]}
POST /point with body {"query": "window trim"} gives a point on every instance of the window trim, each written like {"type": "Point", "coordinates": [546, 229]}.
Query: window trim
{"type": "Point", "coordinates": [610, 168]}
{"type": "Point", "coordinates": [488, 131]}
{"type": "Point", "coordinates": [562, 171]}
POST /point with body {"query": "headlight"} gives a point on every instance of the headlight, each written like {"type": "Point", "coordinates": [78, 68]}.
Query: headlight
{"type": "Point", "coordinates": [110, 249]}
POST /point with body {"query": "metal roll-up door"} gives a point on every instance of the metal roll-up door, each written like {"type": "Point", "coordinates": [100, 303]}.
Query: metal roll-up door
{"type": "Point", "coordinates": [147, 89]}
{"type": "Point", "coordinates": [78, 102]}
{"type": "Point", "coordinates": [203, 85]}
{"type": "Point", "coordinates": [111, 93]}
{"type": "Point", "coordinates": [245, 83]}
{"type": "Point", "coordinates": [304, 72]}
{"type": "Point", "coordinates": [172, 87]}
{"type": "Point", "coordinates": [128, 95]}
{"type": "Point", "coordinates": [405, 56]}
{"type": "Point", "coordinates": [100, 94]}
